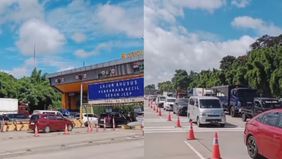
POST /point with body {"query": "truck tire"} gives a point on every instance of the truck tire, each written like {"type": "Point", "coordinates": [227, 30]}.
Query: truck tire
{"type": "Point", "coordinates": [232, 112]}
{"type": "Point", "coordinates": [198, 123]}
{"type": "Point", "coordinates": [244, 117]}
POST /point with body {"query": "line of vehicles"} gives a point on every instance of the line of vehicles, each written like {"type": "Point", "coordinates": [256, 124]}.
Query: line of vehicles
{"type": "Point", "coordinates": [263, 132]}
{"type": "Point", "coordinates": [208, 106]}
{"type": "Point", "coordinates": [50, 120]}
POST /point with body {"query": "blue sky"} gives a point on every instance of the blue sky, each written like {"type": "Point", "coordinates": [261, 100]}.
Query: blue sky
{"type": "Point", "coordinates": [195, 34]}
{"type": "Point", "coordinates": [66, 33]}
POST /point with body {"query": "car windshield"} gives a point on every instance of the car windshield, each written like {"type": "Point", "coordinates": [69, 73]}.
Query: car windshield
{"type": "Point", "coordinates": [34, 117]}
{"type": "Point", "coordinates": [170, 100]}
{"type": "Point", "coordinates": [162, 98]}
{"type": "Point", "coordinates": [89, 115]}
{"type": "Point", "coordinates": [183, 101]}
{"type": "Point", "coordinates": [271, 104]}
{"type": "Point", "coordinates": [209, 103]}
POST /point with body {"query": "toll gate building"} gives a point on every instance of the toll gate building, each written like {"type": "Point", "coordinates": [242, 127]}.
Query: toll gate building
{"type": "Point", "coordinates": [106, 84]}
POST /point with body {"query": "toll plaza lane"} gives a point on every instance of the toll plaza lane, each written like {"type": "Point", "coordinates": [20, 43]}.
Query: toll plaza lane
{"type": "Point", "coordinates": [163, 139]}
{"type": "Point", "coordinates": [25, 146]}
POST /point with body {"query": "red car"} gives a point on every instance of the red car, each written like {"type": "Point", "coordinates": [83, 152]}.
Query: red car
{"type": "Point", "coordinates": [263, 135]}
{"type": "Point", "coordinates": [49, 122]}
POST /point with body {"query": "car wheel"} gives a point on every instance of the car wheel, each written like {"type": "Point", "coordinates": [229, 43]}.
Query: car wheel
{"type": "Point", "coordinates": [47, 129]}
{"type": "Point", "coordinates": [244, 117]}
{"type": "Point", "coordinates": [222, 125]}
{"type": "Point", "coordinates": [252, 147]}
{"type": "Point", "coordinates": [198, 122]}
{"type": "Point", "coordinates": [70, 128]}
{"type": "Point", "coordinates": [232, 112]}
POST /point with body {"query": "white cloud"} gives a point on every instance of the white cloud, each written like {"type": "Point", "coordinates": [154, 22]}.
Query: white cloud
{"type": "Point", "coordinates": [256, 24]}
{"type": "Point", "coordinates": [18, 11]}
{"type": "Point", "coordinates": [174, 47]}
{"type": "Point", "coordinates": [209, 5]}
{"type": "Point", "coordinates": [126, 21]}
{"type": "Point", "coordinates": [81, 17]}
{"type": "Point", "coordinates": [240, 3]}
{"type": "Point", "coordinates": [79, 37]}
{"type": "Point", "coordinates": [47, 40]}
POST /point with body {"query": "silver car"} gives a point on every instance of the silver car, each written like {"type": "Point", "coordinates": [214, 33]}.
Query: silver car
{"type": "Point", "coordinates": [205, 110]}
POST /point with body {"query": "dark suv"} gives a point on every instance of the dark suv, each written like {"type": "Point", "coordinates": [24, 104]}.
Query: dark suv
{"type": "Point", "coordinates": [258, 106]}
{"type": "Point", "coordinates": [180, 106]}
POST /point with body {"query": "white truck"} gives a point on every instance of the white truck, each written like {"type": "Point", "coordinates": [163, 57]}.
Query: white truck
{"type": "Point", "coordinates": [202, 92]}
{"type": "Point", "coordinates": [8, 106]}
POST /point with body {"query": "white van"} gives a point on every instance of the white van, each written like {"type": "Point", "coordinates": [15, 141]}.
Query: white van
{"type": "Point", "coordinates": [47, 112]}
{"type": "Point", "coordinates": [206, 110]}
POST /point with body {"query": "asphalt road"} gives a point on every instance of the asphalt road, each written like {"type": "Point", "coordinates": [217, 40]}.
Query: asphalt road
{"type": "Point", "coordinates": [121, 144]}
{"type": "Point", "coordinates": [164, 140]}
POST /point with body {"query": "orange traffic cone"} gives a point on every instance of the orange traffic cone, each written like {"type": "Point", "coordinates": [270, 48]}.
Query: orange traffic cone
{"type": "Point", "coordinates": [66, 130]}
{"type": "Point", "coordinates": [142, 127]}
{"type": "Point", "coordinates": [114, 124]}
{"type": "Point", "coordinates": [178, 122]}
{"type": "Point", "coordinates": [36, 131]}
{"type": "Point", "coordinates": [215, 149]}
{"type": "Point", "coordinates": [97, 127]}
{"type": "Point", "coordinates": [160, 112]}
{"type": "Point", "coordinates": [89, 128]}
{"type": "Point", "coordinates": [169, 117]}
{"type": "Point", "coordinates": [105, 124]}
{"type": "Point", "coordinates": [190, 135]}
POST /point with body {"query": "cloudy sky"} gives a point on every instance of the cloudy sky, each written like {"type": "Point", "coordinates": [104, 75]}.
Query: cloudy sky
{"type": "Point", "coordinates": [196, 34]}
{"type": "Point", "coordinates": [66, 33]}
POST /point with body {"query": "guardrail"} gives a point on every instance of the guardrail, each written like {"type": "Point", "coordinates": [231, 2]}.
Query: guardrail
{"type": "Point", "coordinates": [24, 125]}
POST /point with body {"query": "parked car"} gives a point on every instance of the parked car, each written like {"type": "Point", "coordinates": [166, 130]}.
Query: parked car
{"type": "Point", "coordinates": [263, 135]}
{"type": "Point", "coordinates": [120, 119]}
{"type": "Point", "coordinates": [54, 112]}
{"type": "Point", "coordinates": [180, 106]}
{"type": "Point", "coordinates": [3, 118]}
{"type": "Point", "coordinates": [206, 110]}
{"type": "Point", "coordinates": [17, 117]}
{"type": "Point", "coordinates": [49, 122]}
{"type": "Point", "coordinates": [92, 118]}
{"type": "Point", "coordinates": [168, 105]}
{"type": "Point", "coordinates": [258, 106]}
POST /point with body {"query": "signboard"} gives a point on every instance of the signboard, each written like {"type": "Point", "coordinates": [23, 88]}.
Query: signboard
{"type": "Point", "coordinates": [116, 91]}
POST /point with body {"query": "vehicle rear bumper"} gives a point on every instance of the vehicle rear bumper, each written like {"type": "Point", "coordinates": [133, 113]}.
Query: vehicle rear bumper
{"type": "Point", "coordinates": [208, 120]}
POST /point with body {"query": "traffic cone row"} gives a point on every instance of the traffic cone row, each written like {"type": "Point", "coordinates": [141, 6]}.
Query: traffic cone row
{"type": "Point", "coordinates": [66, 132]}
{"type": "Point", "coordinates": [114, 124]}
{"type": "Point", "coordinates": [190, 135]}
{"type": "Point", "coordinates": [169, 117]}
{"type": "Point", "coordinates": [160, 112]}
{"type": "Point", "coordinates": [215, 149]}
{"type": "Point", "coordinates": [36, 131]}
{"type": "Point", "coordinates": [178, 122]}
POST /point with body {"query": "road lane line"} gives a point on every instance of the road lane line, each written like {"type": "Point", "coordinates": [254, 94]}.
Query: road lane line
{"type": "Point", "coordinates": [193, 149]}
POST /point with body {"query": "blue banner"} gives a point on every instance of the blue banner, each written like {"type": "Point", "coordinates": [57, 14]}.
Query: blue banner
{"type": "Point", "coordinates": [116, 90]}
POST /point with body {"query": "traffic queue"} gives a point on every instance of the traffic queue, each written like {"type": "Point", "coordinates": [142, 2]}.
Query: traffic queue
{"type": "Point", "coordinates": [263, 115]}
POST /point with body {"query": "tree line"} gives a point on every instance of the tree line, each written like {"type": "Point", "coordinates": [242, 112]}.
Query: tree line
{"type": "Point", "coordinates": [34, 90]}
{"type": "Point", "coordinates": [260, 68]}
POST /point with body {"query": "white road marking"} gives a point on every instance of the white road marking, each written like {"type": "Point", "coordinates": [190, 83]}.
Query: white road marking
{"type": "Point", "coordinates": [193, 149]}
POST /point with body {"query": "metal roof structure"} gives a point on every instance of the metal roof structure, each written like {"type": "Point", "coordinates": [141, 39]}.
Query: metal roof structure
{"type": "Point", "coordinates": [96, 66]}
